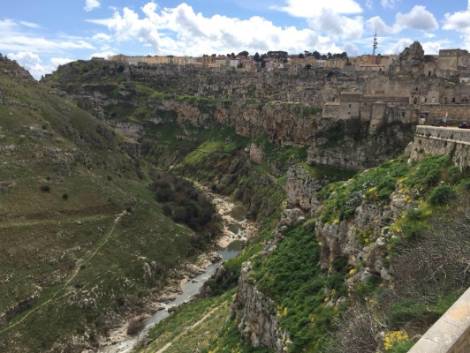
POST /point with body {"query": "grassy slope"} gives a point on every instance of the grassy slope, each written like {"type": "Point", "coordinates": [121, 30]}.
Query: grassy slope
{"type": "Point", "coordinates": [64, 180]}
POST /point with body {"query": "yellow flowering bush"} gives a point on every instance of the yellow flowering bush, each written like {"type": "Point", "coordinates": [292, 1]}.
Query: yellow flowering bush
{"type": "Point", "coordinates": [393, 338]}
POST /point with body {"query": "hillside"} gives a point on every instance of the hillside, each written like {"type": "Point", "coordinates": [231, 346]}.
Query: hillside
{"type": "Point", "coordinates": [83, 237]}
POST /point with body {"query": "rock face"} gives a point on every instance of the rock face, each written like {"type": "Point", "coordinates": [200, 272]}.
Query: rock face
{"type": "Point", "coordinates": [256, 153]}
{"type": "Point", "coordinates": [301, 188]}
{"type": "Point", "coordinates": [286, 107]}
{"type": "Point", "coordinates": [256, 316]}
{"type": "Point", "coordinates": [362, 239]}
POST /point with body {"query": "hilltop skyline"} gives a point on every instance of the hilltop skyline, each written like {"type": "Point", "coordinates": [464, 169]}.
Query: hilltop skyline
{"type": "Point", "coordinates": [54, 32]}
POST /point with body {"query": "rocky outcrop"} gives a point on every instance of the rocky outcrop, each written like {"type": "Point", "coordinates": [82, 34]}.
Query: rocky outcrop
{"type": "Point", "coordinates": [256, 316]}
{"type": "Point", "coordinates": [362, 240]}
{"type": "Point", "coordinates": [256, 153]}
{"type": "Point", "coordinates": [301, 188]}
{"type": "Point", "coordinates": [360, 143]}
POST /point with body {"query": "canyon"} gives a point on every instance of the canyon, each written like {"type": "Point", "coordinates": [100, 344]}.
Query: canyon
{"type": "Point", "coordinates": [346, 187]}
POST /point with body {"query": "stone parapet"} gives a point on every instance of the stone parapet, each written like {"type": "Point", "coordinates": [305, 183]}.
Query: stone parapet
{"type": "Point", "coordinates": [432, 140]}
{"type": "Point", "coordinates": [451, 333]}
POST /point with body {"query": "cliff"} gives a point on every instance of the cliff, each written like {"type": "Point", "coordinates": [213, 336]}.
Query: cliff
{"type": "Point", "coordinates": [286, 107]}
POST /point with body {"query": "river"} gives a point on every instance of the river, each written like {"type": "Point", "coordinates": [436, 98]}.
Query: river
{"type": "Point", "coordinates": [236, 230]}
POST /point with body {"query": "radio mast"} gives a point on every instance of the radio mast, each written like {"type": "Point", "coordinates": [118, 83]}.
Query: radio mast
{"type": "Point", "coordinates": [375, 44]}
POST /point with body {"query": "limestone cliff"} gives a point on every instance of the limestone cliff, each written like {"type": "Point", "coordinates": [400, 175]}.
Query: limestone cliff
{"type": "Point", "coordinates": [286, 107]}
{"type": "Point", "coordinates": [257, 317]}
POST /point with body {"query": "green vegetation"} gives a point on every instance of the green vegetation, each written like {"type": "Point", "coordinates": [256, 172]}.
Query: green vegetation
{"type": "Point", "coordinates": [417, 310]}
{"type": "Point", "coordinates": [300, 290]}
{"type": "Point", "coordinates": [230, 340]}
{"type": "Point", "coordinates": [402, 347]}
{"type": "Point", "coordinates": [441, 195]}
{"type": "Point", "coordinates": [191, 326]}
{"type": "Point", "coordinates": [185, 204]}
{"type": "Point", "coordinates": [65, 253]}
{"type": "Point", "coordinates": [341, 199]}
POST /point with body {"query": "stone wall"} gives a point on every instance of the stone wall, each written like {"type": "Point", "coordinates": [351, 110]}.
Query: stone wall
{"type": "Point", "coordinates": [451, 333]}
{"type": "Point", "coordinates": [431, 140]}
{"type": "Point", "coordinates": [456, 112]}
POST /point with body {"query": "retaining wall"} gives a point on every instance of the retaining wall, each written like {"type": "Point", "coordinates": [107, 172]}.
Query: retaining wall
{"type": "Point", "coordinates": [431, 140]}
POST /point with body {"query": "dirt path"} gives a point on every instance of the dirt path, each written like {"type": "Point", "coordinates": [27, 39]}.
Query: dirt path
{"type": "Point", "coordinates": [35, 222]}
{"type": "Point", "coordinates": [189, 329]}
{"type": "Point", "coordinates": [63, 290]}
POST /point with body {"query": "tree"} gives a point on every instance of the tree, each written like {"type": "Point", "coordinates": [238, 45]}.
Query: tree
{"type": "Point", "coordinates": [316, 55]}
{"type": "Point", "coordinates": [256, 57]}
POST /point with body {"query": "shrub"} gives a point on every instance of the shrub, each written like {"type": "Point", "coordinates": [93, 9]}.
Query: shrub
{"type": "Point", "coordinates": [394, 339]}
{"type": "Point", "coordinates": [465, 184]}
{"type": "Point", "coordinates": [45, 188]}
{"type": "Point", "coordinates": [357, 332]}
{"type": "Point", "coordinates": [182, 201]}
{"type": "Point", "coordinates": [401, 347]}
{"type": "Point", "coordinates": [292, 277]}
{"type": "Point", "coordinates": [442, 195]}
{"type": "Point", "coordinates": [427, 173]}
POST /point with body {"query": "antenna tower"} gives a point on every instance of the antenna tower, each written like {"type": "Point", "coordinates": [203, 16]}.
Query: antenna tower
{"type": "Point", "coordinates": [375, 44]}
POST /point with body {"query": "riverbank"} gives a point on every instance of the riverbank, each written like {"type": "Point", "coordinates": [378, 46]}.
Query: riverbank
{"type": "Point", "coordinates": [186, 282]}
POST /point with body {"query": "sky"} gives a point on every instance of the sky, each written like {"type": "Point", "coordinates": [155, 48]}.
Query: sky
{"type": "Point", "coordinates": [42, 34]}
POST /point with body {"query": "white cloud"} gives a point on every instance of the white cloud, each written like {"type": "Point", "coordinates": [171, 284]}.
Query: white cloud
{"type": "Point", "coordinates": [14, 39]}
{"type": "Point", "coordinates": [377, 25]}
{"type": "Point", "coordinates": [60, 61]}
{"type": "Point", "coordinates": [418, 18]}
{"type": "Point", "coordinates": [180, 30]}
{"type": "Point", "coordinates": [433, 47]}
{"type": "Point", "coordinates": [310, 9]}
{"type": "Point", "coordinates": [460, 22]}
{"type": "Point", "coordinates": [90, 5]}
{"type": "Point", "coordinates": [31, 61]}
{"type": "Point", "coordinates": [398, 46]}
{"type": "Point", "coordinates": [388, 3]}
{"type": "Point", "coordinates": [102, 37]}
{"type": "Point", "coordinates": [103, 54]}
{"type": "Point", "coordinates": [336, 25]}
{"type": "Point", "coordinates": [22, 42]}
{"type": "Point", "coordinates": [30, 24]}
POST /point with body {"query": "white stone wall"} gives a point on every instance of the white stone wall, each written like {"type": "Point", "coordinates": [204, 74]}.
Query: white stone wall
{"type": "Point", "coordinates": [451, 333]}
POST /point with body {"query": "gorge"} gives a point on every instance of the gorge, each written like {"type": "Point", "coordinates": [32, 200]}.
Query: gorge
{"type": "Point", "coordinates": [121, 180]}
